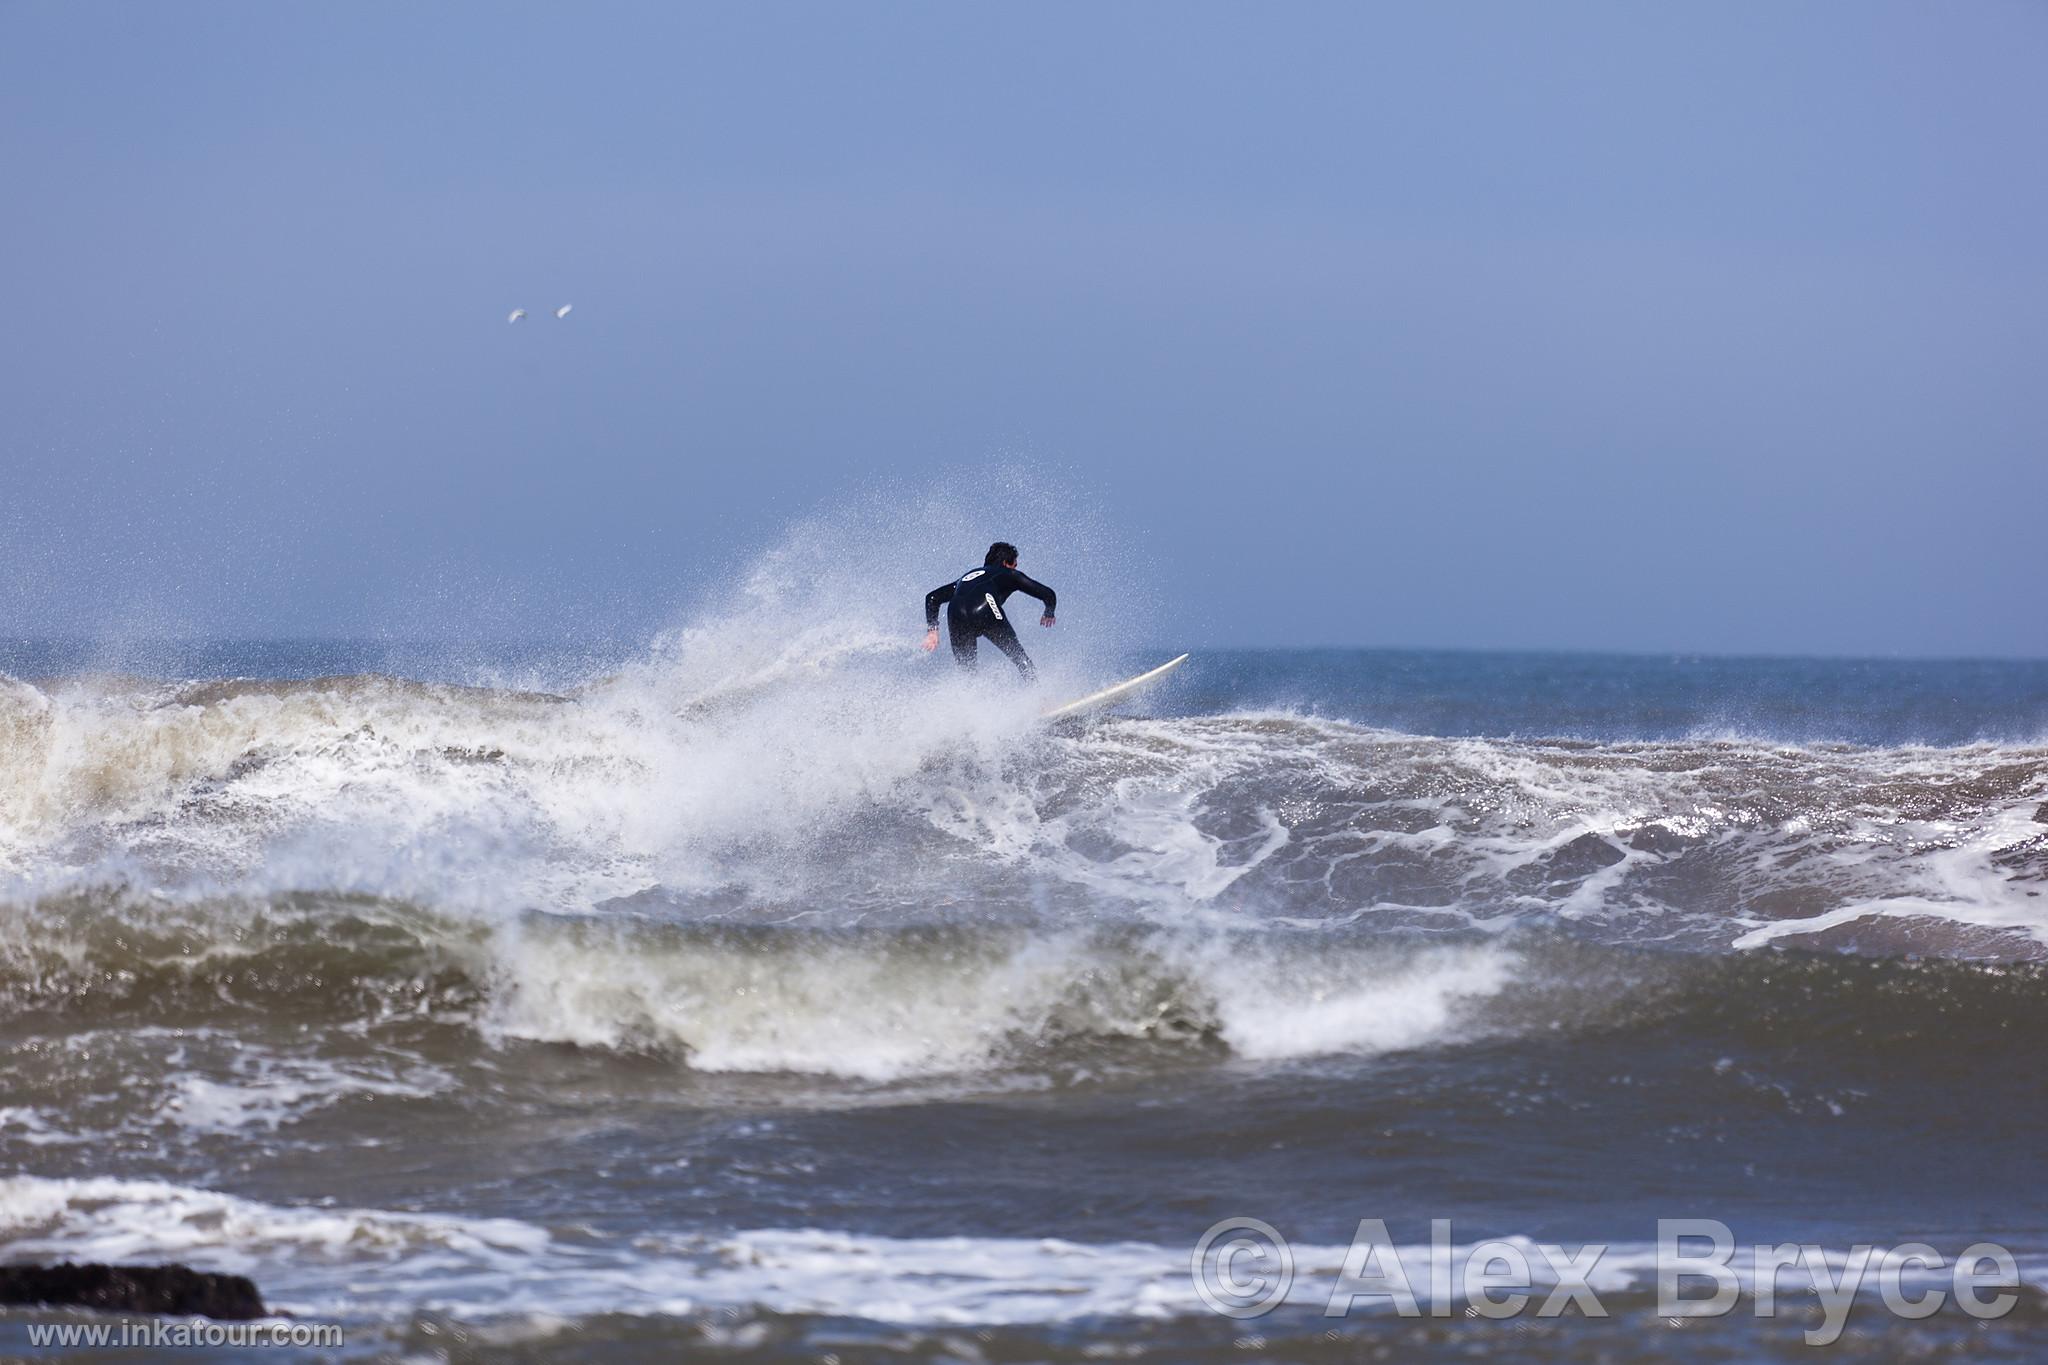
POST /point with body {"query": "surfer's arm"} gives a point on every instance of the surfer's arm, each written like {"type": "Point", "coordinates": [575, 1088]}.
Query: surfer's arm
{"type": "Point", "coordinates": [933, 600]}
{"type": "Point", "coordinates": [1027, 584]}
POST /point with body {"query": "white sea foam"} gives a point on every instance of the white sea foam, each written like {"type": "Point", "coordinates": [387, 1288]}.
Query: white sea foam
{"type": "Point", "coordinates": [105, 1219]}
{"type": "Point", "coordinates": [882, 1008]}
{"type": "Point", "coordinates": [1957, 880]}
{"type": "Point", "coordinates": [20, 1123]}
{"type": "Point", "coordinates": [1272, 1007]}
{"type": "Point", "coordinates": [366, 1264]}
{"type": "Point", "coordinates": [263, 1091]}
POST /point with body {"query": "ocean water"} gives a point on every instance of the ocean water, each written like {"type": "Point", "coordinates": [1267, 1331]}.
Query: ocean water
{"type": "Point", "coordinates": [774, 993]}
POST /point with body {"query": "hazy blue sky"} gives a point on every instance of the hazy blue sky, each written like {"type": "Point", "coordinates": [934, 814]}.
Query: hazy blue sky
{"type": "Point", "coordinates": [1639, 326]}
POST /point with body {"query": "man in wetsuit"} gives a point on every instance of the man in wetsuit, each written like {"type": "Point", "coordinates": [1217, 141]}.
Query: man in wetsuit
{"type": "Point", "coordinates": [974, 608]}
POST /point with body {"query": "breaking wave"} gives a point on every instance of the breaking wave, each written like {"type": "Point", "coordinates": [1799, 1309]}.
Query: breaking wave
{"type": "Point", "coordinates": [783, 839]}
{"type": "Point", "coordinates": [883, 1004]}
{"type": "Point", "coordinates": [887, 794]}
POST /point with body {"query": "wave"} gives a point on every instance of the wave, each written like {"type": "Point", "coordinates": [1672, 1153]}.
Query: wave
{"type": "Point", "coordinates": [876, 1004]}
{"type": "Point", "coordinates": [881, 1004]}
{"type": "Point", "coordinates": [343, 843]}
{"type": "Point", "coordinates": [767, 794]}
{"type": "Point", "coordinates": [357, 1264]}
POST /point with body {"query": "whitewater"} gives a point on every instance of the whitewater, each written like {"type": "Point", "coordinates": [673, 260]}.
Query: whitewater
{"type": "Point", "coordinates": [772, 987]}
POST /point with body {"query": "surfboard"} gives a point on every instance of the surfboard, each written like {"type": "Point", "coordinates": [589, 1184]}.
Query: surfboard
{"type": "Point", "coordinates": [1110, 696]}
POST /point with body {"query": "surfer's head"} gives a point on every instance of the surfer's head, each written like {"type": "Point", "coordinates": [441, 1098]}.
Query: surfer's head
{"type": "Point", "coordinates": [1002, 552]}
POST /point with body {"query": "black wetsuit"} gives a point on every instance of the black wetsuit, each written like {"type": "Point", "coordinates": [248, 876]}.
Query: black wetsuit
{"type": "Point", "coordinates": [974, 611]}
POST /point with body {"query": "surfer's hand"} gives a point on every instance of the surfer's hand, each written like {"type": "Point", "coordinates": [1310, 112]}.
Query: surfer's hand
{"type": "Point", "coordinates": [931, 640]}
{"type": "Point", "coordinates": [1045, 620]}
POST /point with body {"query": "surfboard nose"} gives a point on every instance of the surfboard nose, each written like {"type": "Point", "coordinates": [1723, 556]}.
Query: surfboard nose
{"type": "Point", "coordinates": [1110, 696]}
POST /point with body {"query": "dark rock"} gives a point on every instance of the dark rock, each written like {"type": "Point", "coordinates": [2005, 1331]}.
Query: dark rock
{"type": "Point", "coordinates": [132, 1289]}
{"type": "Point", "coordinates": [1582, 857]}
{"type": "Point", "coordinates": [1657, 839]}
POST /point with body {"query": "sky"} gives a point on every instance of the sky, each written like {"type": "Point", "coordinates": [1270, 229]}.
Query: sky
{"type": "Point", "coordinates": [1678, 327]}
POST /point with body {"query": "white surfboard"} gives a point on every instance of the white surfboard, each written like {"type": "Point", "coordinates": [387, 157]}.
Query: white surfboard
{"type": "Point", "coordinates": [1110, 696]}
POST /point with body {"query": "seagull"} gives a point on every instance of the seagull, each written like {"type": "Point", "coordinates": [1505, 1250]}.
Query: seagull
{"type": "Point", "coordinates": [517, 313]}
{"type": "Point", "coordinates": [563, 311]}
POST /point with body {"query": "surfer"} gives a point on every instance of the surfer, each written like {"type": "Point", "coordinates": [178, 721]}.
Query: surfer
{"type": "Point", "coordinates": [974, 608]}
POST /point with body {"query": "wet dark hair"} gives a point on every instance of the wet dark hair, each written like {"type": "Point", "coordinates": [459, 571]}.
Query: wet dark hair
{"type": "Point", "coordinates": [1002, 552]}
